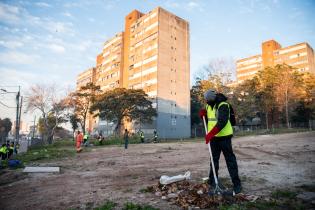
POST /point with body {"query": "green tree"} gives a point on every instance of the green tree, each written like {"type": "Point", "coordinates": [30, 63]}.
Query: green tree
{"type": "Point", "coordinates": [197, 94]}
{"type": "Point", "coordinates": [82, 100]}
{"type": "Point", "coordinates": [309, 93]}
{"type": "Point", "coordinates": [122, 104]}
{"type": "Point", "coordinates": [267, 82]}
{"type": "Point", "coordinates": [5, 128]}
{"type": "Point", "coordinates": [74, 120]}
{"type": "Point", "coordinates": [244, 100]}
{"type": "Point", "coordinates": [195, 105]}
{"type": "Point", "coordinates": [288, 86]}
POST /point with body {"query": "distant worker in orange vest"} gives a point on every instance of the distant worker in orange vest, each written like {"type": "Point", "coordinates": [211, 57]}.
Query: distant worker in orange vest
{"type": "Point", "coordinates": [79, 140]}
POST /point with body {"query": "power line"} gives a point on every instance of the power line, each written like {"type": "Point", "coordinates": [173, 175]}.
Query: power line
{"type": "Point", "coordinates": [7, 105]}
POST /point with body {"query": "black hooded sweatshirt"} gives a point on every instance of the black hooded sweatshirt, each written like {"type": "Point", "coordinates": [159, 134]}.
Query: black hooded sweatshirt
{"type": "Point", "coordinates": [223, 113]}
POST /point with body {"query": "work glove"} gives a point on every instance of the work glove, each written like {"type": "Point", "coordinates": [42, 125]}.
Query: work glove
{"type": "Point", "coordinates": [215, 130]}
{"type": "Point", "coordinates": [202, 113]}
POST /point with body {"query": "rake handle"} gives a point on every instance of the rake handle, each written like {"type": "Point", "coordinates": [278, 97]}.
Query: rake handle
{"type": "Point", "coordinates": [210, 152]}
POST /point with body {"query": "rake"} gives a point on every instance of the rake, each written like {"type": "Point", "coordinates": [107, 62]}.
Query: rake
{"type": "Point", "coordinates": [217, 189]}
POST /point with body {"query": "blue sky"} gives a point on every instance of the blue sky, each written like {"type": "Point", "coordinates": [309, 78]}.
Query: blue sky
{"type": "Point", "coordinates": [52, 41]}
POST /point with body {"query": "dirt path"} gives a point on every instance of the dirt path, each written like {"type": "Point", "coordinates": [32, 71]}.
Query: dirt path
{"type": "Point", "coordinates": [111, 173]}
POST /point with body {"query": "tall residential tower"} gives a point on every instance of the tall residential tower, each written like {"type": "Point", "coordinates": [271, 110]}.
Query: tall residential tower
{"type": "Point", "coordinates": [300, 56]}
{"type": "Point", "coordinates": [152, 54]}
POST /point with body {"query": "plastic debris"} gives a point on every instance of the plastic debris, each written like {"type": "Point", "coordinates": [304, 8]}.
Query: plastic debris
{"type": "Point", "coordinates": [171, 179]}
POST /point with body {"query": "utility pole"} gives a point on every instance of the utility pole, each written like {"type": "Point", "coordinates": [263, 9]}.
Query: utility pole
{"type": "Point", "coordinates": [21, 102]}
{"type": "Point", "coordinates": [17, 117]}
{"type": "Point", "coordinates": [34, 127]}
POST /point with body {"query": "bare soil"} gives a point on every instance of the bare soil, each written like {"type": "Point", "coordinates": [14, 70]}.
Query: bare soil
{"type": "Point", "coordinates": [88, 180]}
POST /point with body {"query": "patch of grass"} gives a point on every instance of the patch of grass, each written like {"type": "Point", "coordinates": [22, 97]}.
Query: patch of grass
{"type": "Point", "coordinates": [128, 190]}
{"type": "Point", "coordinates": [109, 205]}
{"type": "Point", "coordinates": [63, 143]}
{"type": "Point", "coordinates": [45, 153]}
{"type": "Point", "coordinates": [263, 205]}
{"type": "Point", "coordinates": [231, 207]}
{"type": "Point", "coordinates": [283, 194]}
{"type": "Point", "coordinates": [132, 206]}
{"type": "Point", "coordinates": [116, 140]}
{"type": "Point", "coordinates": [309, 188]}
{"type": "Point", "coordinates": [147, 190]}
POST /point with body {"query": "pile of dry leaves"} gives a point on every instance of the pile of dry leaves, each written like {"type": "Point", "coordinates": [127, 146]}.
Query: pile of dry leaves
{"type": "Point", "coordinates": [186, 194]}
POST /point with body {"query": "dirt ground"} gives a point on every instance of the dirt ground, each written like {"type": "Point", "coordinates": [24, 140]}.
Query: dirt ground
{"type": "Point", "coordinates": [266, 163]}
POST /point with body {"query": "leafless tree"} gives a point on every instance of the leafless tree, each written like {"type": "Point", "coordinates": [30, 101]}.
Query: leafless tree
{"type": "Point", "coordinates": [45, 99]}
{"type": "Point", "coordinates": [222, 67]}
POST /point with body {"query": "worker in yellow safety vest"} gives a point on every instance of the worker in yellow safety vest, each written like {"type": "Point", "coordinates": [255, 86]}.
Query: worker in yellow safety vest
{"type": "Point", "coordinates": [220, 118]}
{"type": "Point", "coordinates": [3, 151]}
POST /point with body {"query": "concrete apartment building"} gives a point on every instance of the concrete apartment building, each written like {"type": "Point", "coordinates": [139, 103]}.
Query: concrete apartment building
{"type": "Point", "coordinates": [109, 63]}
{"type": "Point", "coordinates": [85, 77]}
{"type": "Point", "coordinates": [300, 56]}
{"type": "Point", "coordinates": [152, 54]}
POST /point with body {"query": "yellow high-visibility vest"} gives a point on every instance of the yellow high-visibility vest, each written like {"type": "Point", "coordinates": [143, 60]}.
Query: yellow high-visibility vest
{"type": "Point", "coordinates": [212, 120]}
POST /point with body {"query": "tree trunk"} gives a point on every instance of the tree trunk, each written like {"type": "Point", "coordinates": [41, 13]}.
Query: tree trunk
{"type": "Point", "coordinates": [50, 139]}
{"type": "Point", "coordinates": [287, 109]}
{"type": "Point", "coordinates": [118, 126]}
{"type": "Point", "coordinates": [83, 123]}
{"type": "Point", "coordinates": [267, 123]}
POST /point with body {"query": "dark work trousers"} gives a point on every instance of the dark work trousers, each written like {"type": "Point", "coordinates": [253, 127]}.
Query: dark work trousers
{"type": "Point", "coordinates": [126, 143]}
{"type": "Point", "coordinates": [224, 144]}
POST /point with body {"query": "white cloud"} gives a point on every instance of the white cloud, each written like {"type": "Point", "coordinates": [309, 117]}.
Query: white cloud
{"type": "Point", "coordinates": [172, 4]}
{"type": "Point", "coordinates": [56, 48]}
{"type": "Point", "coordinates": [58, 27]}
{"type": "Point", "coordinates": [11, 44]}
{"type": "Point", "coordinates": [73, 4]}
{"type": "Point", "coordinates": [82, 46]}
{"type": "Point", "coordinates": [20, 16]}
{"type": "Point", "coordinates": [188, 6]}
{"type": "Point", "coordinates": [15, 77]}
{"type": "Point", "coordinates": [42, 4]}
{"type": "Point", "coordinates": [192, 4]}
{"type": "Point", "coordinates": [68, 14]}
{"type": "Point", "coordinates": [9, 14]}
{"type": "Point", "coordinates": [14, 57]}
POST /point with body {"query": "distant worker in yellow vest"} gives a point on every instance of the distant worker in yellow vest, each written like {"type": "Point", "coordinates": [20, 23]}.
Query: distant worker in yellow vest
{"type": "Point", "coordinates": [86, 138]}
{"type": "Point", "coordinates": [141, 136]}
{"type": "Point", "coordinates": [155, 136]}
{"type": "Point", "coordinates": [220, 118]}
{"type": "Point", "coordinates": [3, 152]}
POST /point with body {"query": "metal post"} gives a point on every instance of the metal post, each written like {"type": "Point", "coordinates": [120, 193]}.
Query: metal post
{"type": "Point", "coordinates": [34, 127]}
{"type": "Point", "coordinates": [17, 116]}
{"type": "Point", "coordinates": [20, 113]}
